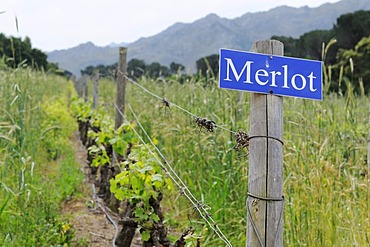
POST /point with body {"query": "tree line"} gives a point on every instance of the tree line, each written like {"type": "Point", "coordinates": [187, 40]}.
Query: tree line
{"type": "Point", "coordinates": [348, 31]}
{"type": "Point", "coordinates": [17, 51]}
{"type": "Point", "coordinates": [137, 68]}
{"type": "Point", "coordinates": [348, 57]}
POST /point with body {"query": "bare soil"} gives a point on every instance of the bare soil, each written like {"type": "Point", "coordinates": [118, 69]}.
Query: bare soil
{"type": "Point", "coordinates": [90, 224]}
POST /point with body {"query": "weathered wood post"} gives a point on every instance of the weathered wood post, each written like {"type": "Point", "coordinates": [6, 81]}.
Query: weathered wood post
{"type": "Point", "coordinates": [368, 145]}
{"type": "Point", "coordinates": [95, 89]}
{"type": "Point", "coordinates": [79, 87]}
{"type": "Point", "coordinates": [265, 203]}
{"type": "Point", "coordinates": [85, 83]}
{"type": "Point", "coordinates": [74, 80]}
{"type": "Point", "coordinates": [121, 86]}
{"type": "Point", "coordinates": [127, 231]}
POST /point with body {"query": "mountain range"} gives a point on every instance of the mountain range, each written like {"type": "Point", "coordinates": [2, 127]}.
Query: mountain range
{"type": "Point", "coordinates": [185, 43]}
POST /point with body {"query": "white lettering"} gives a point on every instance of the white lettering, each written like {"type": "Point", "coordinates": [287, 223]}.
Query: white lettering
{"type": "Point", "coordinates": [303, 79]}
{"type": "Point", "coordinates": [311, 76]}
{"type": "Point", "coordinates": [279, 77]}
{"type": "Point", "coordinates": [285, 76]}
{"type": "Point", "coordinates": [237, 76]}
{"type": "Point", "coordinates": [258, 74]}
{"type": "Point", "coordinates": [273, 75]}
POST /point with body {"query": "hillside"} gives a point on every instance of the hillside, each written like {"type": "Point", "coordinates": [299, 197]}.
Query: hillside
{"type": "Point", "coordinates": [184, 43]}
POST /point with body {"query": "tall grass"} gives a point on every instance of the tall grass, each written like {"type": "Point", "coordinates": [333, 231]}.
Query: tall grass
{"type": "Point", "coordinates": [326, 182]}
{"type": "Point", "coordinates": [37, 165]}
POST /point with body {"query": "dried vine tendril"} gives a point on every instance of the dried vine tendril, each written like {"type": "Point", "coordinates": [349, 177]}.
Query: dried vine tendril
{"type": "Point", "coordinates": [242, 140]}
{"type": "Point", "coordinates": [204, 123]}
{"type": "Point", "coordinates": [166, 103]}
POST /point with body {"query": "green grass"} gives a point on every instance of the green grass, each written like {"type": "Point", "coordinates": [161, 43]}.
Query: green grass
{"type": "Point", "coordinates": [326, 183]}
{"type": "Point", "coordinates": [37, 164]}
{"type": "Point", "coordinates": [326, 180]}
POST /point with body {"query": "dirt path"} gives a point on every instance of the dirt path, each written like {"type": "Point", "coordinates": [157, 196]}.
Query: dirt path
{"type": "Point", "coordinates": [85, 212]}
{"type": "Point", "coordinates": [91, 226]}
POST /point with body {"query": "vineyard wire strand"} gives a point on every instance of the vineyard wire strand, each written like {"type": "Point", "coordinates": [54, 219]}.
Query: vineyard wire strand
{"type": "Point", "coordinates": [254, 225]}
{"type": "Point", "coordinates": [166, 162]}
{"type": "Point", "coordinates": [151, 152]}
{"type": "Point", "coordinates": [173, 104]}
{"type": "Point", "coordinates": [159, 152]}
{"type": "Point", "coordinates": [268, 199]}
{"type": "Point", "coordinates": [160, 98]}
{"type": "Point", "coordinates": [106, 215]}
{"type": "Point", "coordinates": [217, 230]}
{"type": "Point", "coordinates": [197, 205]}
{"type": "Point", "coordinates": [173, 179]}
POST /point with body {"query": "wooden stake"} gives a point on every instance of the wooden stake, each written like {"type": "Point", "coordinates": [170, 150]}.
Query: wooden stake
{"type": "Point", "coordinates": [95, 89]}
{"type": "Point", "coordinates": [79, 87]}
{"type": "Point", "coordinates": [85, 83]}
{"type": "Point", "coordinates": [265, 205]}
{"type": "Point", "coordinates": [75, 83]}
{"type": "Point", "coordinates": [121, 86]}
{"type": "Point", "coordinates": [120, 104]}
{"type": "Point", "coordinates": [368, 145]}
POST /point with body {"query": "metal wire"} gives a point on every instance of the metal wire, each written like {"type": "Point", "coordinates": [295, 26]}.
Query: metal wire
{"type": "Point", "coordinates": [97, 200]}
{"type": "Point", "coordinates": [267, 199]}
{"type": "Point", "coordinates": [171, 103]}
{"type": "Point", "coordinates": [200, 207]}
{"type": "Point", "coordinates": [268, 137]}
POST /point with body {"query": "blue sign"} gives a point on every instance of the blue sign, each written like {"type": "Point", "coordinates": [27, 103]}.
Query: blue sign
{"type": "Point", "coordinates": [263, 73]}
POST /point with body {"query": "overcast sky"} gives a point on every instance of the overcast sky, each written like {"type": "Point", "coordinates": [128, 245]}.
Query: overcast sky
{"type": "Point", "coordinates": [55, 24]}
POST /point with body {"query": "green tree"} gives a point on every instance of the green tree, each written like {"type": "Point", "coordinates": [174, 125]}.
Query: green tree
{"type": "Point", "coordinates": [155, 70]}
{"type": "Point", "coordinates": [350, 28]}
{"type": "Point", "coordinates": [290, 45]}
{"type": "Point", "coordinates": [209, 64]}
{"type": "Point", "coordinates": [348, 31]}
{"type": "Point", "coordinates": [18, 51]}
{"type": "Point", "coordinates": [176, 68]}
{"type": "Point", "coordinates": [103, 70]}
{"type": "Point", "coordinates": [356, 64]}
{"type": "Point", "coordinates": [136, 68]}
{"type": "Point", "coordinates": [88, 70]}
{"type": "Point", "coordinates": [309, 45]}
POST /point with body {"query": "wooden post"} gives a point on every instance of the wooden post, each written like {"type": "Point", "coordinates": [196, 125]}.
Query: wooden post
{"type": "Point", "coordinates": [79, 87]}
{"type": "Point", "coordinates": [74, 80]}
{"type": "Point", "coordinates": [85, 88]}
{"type": "Point", "coordinates": [95, 89]}
{"type": "Point", "coordinates": [121, 86]}
{"type": "Point", "coordinates": [120, 104]}
{"type": "Point", "coordinates": [368, 145]}
{"type": "Point", "coordinates": [265, 204]}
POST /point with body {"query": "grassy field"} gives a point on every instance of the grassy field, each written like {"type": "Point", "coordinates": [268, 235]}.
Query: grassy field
{"type": "Point", "coordinates": [326, 183]}
{"type": "Point", "coordinates": [37, 164]}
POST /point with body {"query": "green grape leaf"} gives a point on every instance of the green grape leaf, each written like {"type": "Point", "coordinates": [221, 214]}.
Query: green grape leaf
{"type": "Point", "coordinates": [155, 217]}
{"type": "Point", "coordinates": [145, 235]}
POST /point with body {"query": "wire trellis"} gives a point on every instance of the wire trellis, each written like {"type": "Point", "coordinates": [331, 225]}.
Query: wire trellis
{"type": "Point", "coordinates": [184, 190]}
{"type": "Point", "coordinates": [169, 103]}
